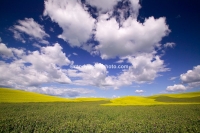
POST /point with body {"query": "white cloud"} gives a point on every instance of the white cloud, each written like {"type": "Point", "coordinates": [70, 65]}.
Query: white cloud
{"type": "Point", "coordinates": [63, 92]}
{"type": "Point", "coordinates": [191, 75]}
{"type": "Point", "coordinates": [193, 85]}
{"type": "Point", "coordinates": [136, 6]}
{"type": "Point", "coordinates": [103, 5]}
{"type": "Point", "coordinates": [35, 68]}
{"type": "Point", "coordinates": [75, 54]}
{"type": "Point", "coordinates": [77, 24]}
{"type": "Point", "coordinates": [89, 74]}
{"type": "Point", "coordinates": [191, 79]}
{"type": "Point", "coordinates": [178, 87]}
{"type": "Point", "coordinates": [18, 36]}
{"type": "Point", "coordinates": [31, 28]}
{"type": "Point", "coordinates": [170, 45]}
{"type": "Point", "coordinates": [145, 68]}
{"type": "Point", "coordinates": [5, 52]}
{"type": "Point", "coordinates": [36, 45]}
{"type": "Point", "coordinates": [120, 61]}
{"type": "Point", "coordinates": [173, 78]}
{"type": "Point", "coordinates": [139, 91]}
{"type": "Point", "coordinates": [130, 39]}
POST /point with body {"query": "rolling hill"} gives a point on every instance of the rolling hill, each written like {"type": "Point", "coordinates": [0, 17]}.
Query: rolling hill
{"type": "Point", "coordinates": [8, 95]}
{"type": "Point", "coordinates": [17, 96]}
{"type": "Point", "coordinates": [181, 98]}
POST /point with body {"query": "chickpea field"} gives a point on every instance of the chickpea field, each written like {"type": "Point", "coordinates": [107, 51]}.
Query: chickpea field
{"type": "Point", "coordinates": [90, 117]}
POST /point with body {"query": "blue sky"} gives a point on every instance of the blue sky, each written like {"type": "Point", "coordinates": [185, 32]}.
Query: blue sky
{"type": "Point", "coordinates": [78, 48]}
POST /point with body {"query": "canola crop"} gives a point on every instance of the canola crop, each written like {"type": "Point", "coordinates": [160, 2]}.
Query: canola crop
{"type": "Point", "coordinates": [90, 117]}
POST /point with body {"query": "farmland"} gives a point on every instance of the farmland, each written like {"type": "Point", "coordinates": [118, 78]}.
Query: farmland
{"type": "Point", "coordinates": [87, 115]}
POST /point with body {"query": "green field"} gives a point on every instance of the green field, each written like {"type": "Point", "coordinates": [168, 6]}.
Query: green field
{"type": "Point", "coordinates": [178, 113]}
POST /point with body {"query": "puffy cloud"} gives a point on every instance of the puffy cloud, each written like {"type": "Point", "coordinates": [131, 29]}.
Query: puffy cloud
{"type": "Point", "coordinates": [31, 28]}
{"type": "Point", "coordinates": [178, 87]}
{"type": "Point", "coordinates": [34, 68]}
{"type": "Point", "coordinates": [127, 37]}
{"type": "Point", "coordinates": [191, 75]}
{"type": "Point", "coordinates": [136, 6]}
{"type": "Point", "coordinates": [77, 24]}
{"type": "Point", "coordinates": [193, 85]}
{"type": "Point", "coordinates": [130, 39]}
{"type": "Point", "coordinates": [63, 92]}
{"type": "Point", "coordinates": [103, 5]}
{"type": "Point", "coordinates": [5, 52]}
{"type": "Point", "coordinates": [170, 45]}
{"type": "Point", "coordinates": [145, 68]}
{"type": "Point", "coordinates": [191, 79]}
{"type": "Point", "coordinates": [94, 75]}
{"type": "Point", "coordinates": [139, 91]}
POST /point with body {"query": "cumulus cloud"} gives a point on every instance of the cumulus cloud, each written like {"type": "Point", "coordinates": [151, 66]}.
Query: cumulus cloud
{"type": "Point", "coordinates": [77, 24]}
{"type": "Point", "coordinates": [31, 28]}
{"type": "Point", "coordinates": [122, 33]}
{"type": "Point", "coordinates": [103, 5]}
{"type": "Point", "coordinates": [191, 79]}
{"type": "Point", "coordinates": [63, 92]}
{"type": "Point", "coordinates": [145, 68]}
{"type": "Point", "coordinates": [94, 75]}
{"type": "Point", "coordinates": [5, 52]}
{"type": "Point", "coordinates": [130, 39]}
{"type": "Point", "coordinates": [175, 87]}
{"type": "Point", "coordinates": [191, 75]}
{"type": "Point", "coordinates": [34, 68]}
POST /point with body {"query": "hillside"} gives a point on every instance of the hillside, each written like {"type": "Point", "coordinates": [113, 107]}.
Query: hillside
{"type": "Point", "coordinates": [16, 96]}
{"type": "Point", "coordinates": [162, 99]}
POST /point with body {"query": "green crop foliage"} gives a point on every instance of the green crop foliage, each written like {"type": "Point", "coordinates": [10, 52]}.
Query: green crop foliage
{"type": "Point", "coordinates": [26, 112]}
{"type": "Point", "coordinates": [90, 117]}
